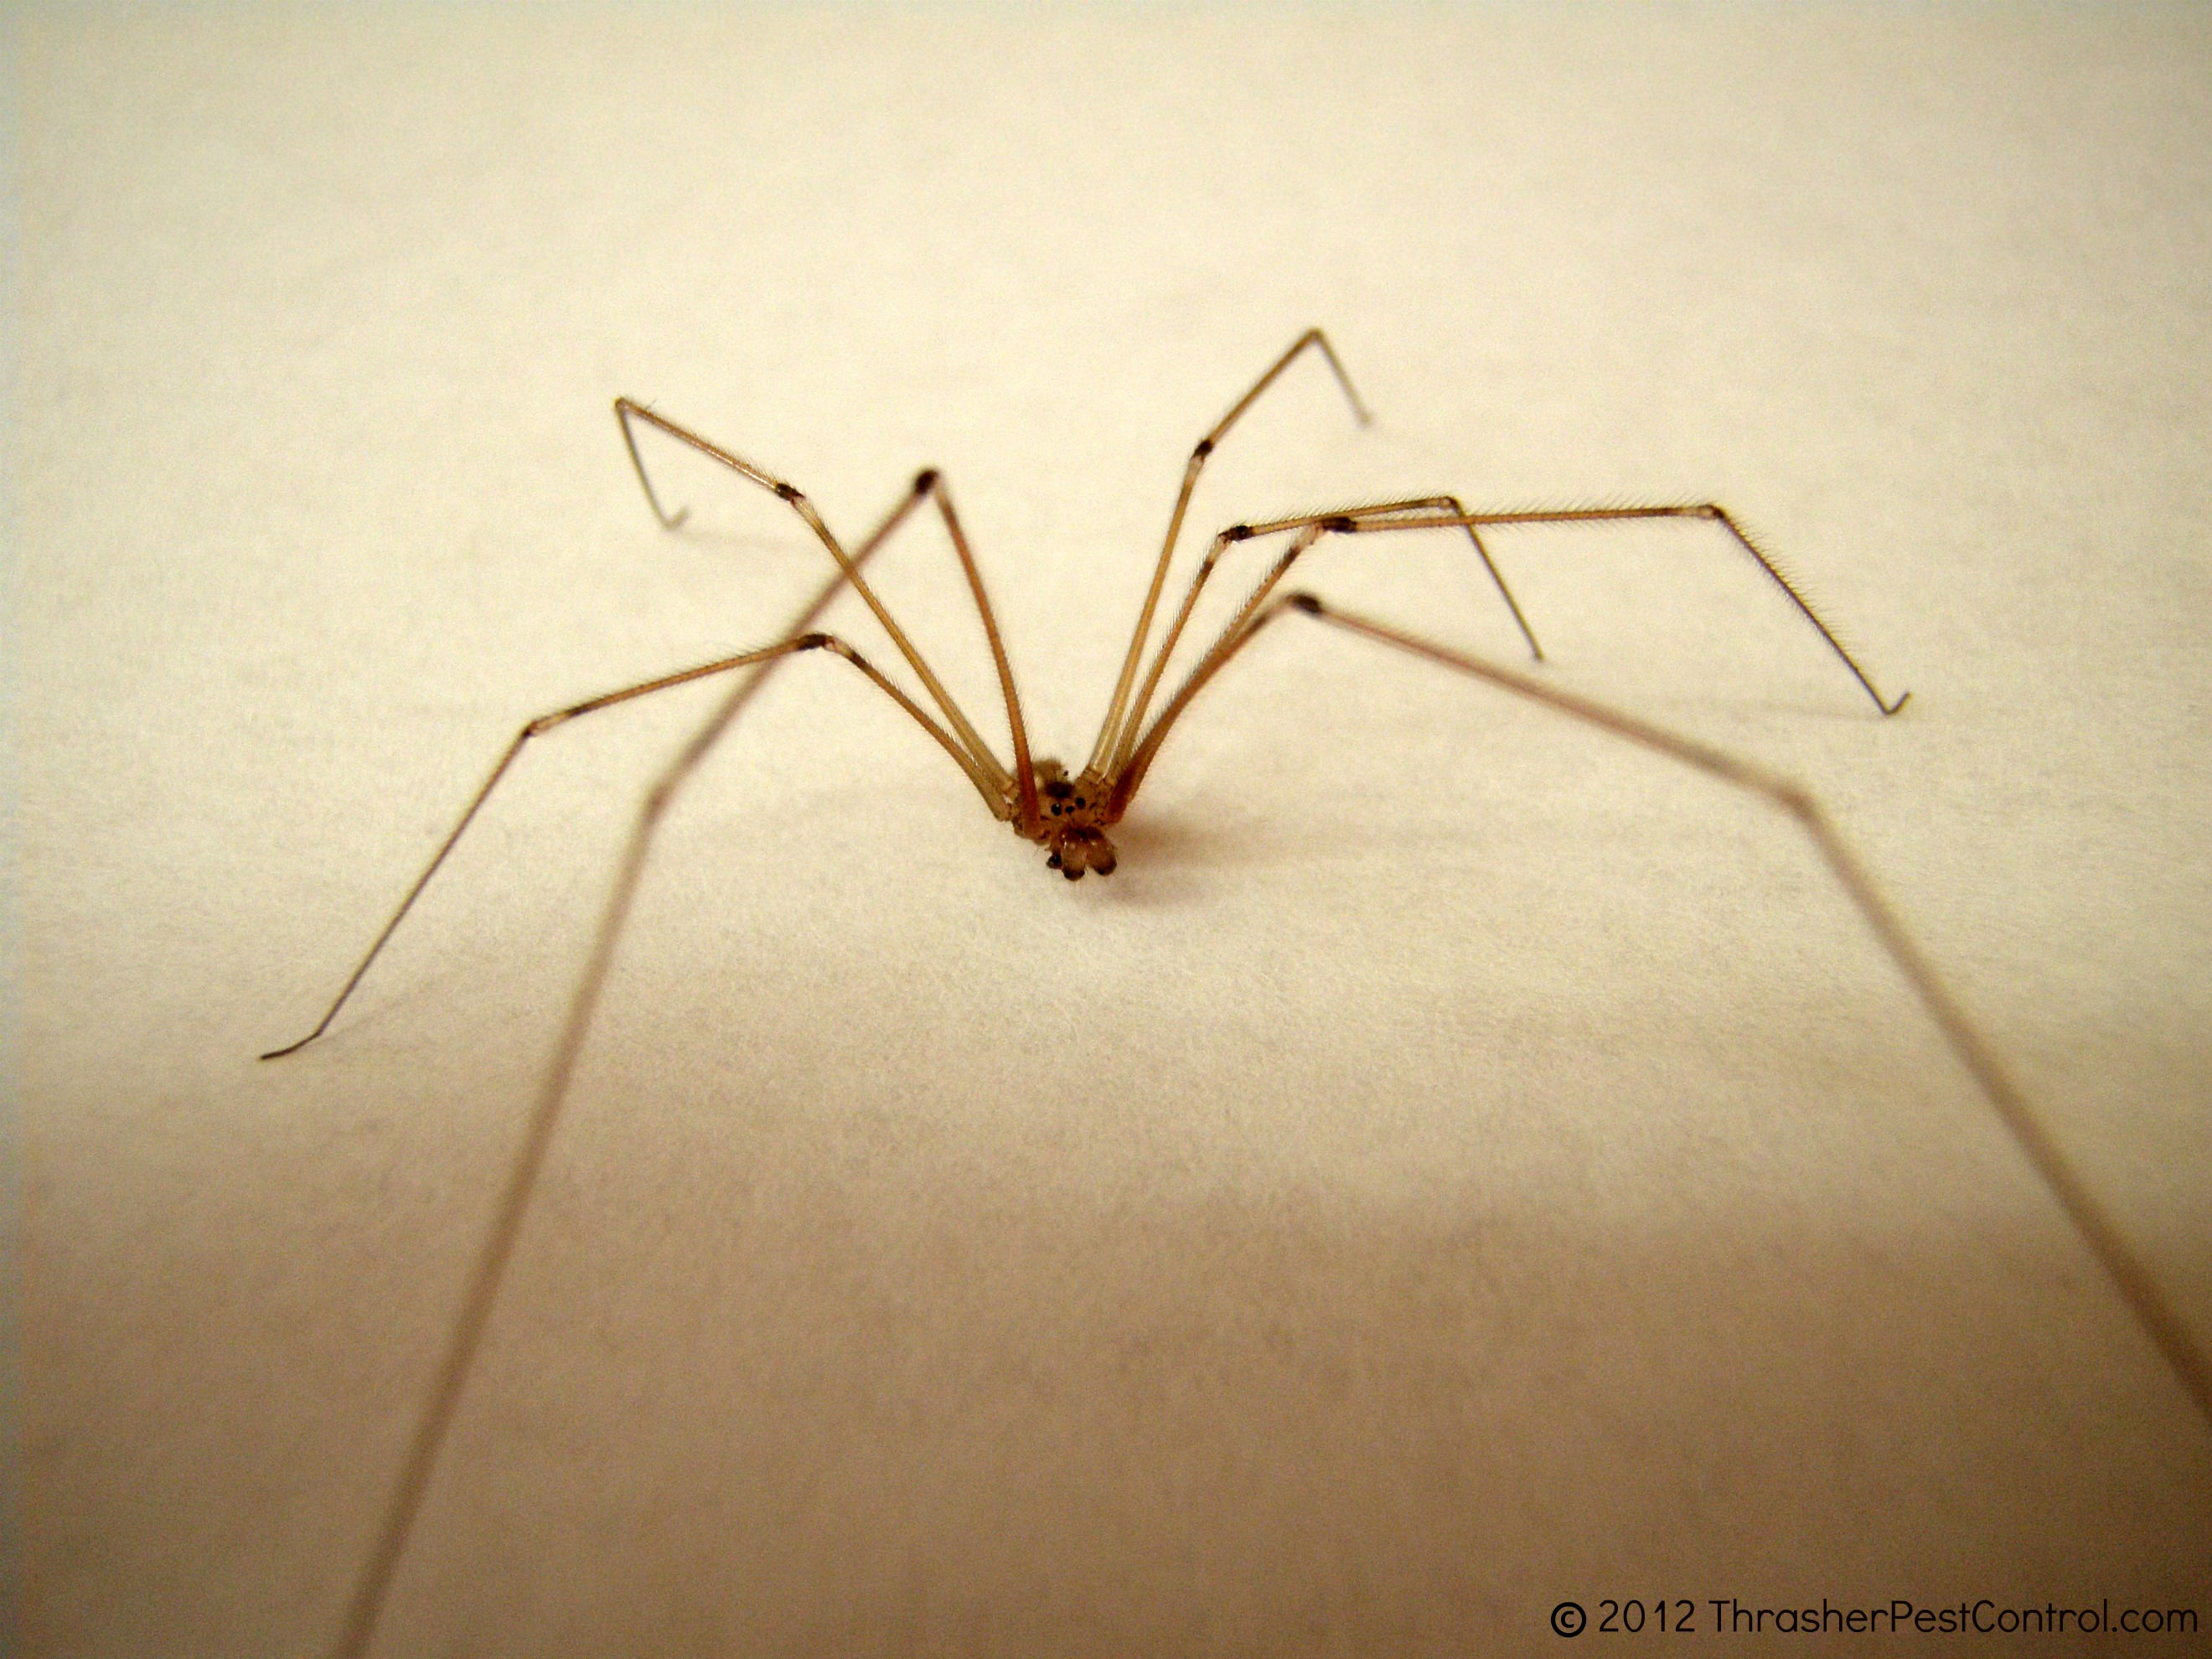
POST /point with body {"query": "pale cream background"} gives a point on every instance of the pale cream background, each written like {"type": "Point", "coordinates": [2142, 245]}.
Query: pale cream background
{"type": "Point", "coordinates": [1457, 1165]}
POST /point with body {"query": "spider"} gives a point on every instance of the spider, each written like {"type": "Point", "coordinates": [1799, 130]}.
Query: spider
{"type": "Point", "coordinates": [1069, 816]}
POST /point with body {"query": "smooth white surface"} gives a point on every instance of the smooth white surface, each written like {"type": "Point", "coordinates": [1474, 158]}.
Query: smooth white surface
{"type": "Point", "coordinates": [1457, 1165]}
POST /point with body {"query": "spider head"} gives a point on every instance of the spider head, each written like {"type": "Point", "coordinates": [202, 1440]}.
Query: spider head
{"type": "Point", "coordinates": [1070, 811]}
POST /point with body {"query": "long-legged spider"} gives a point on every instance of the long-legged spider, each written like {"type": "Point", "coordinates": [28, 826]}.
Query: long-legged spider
{"type": "Point", "coordinates": [1069, 816]}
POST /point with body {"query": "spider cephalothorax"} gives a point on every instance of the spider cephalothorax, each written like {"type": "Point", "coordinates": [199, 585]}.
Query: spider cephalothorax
{"type": "Point", "coordinates": [1070, 811]}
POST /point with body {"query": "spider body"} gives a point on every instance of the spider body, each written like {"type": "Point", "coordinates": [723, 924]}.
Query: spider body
{"type": "Point", "coordinates": [1070, 823]}
{"type": "Point", "coordinates": [1069, 815]}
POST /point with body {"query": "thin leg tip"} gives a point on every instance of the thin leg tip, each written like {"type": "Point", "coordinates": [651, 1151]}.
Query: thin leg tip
{"type": "Point", "coordinates": [1903, 697]}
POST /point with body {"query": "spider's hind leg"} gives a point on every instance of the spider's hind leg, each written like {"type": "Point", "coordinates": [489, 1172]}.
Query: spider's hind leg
{"type": "Point", "coordinates": [2097, 1229]}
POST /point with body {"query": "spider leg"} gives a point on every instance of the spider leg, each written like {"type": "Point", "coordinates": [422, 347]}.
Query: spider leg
{"type": "Point", "coordinates": [1117, 717]}
{"type": "Point", "coordinates": [1379, 515]}
{"type": "Point", "coordinates": [532, 728]}
{"type": "Point", "coordinates": [482, 1292]}
{"type": "Point", "coordinates": [1018, 785]}
{"type": "Point", "coordinates": [1025, 787]}
{"type": "Point", "coordinates": [1251, 616]}
{"type": "Point", "coordinates": [1709, 510]}
{"type": "Point", "coordinates": [2133, 1282]}
{"type": "Point", "coordinates": [1131, 765]}
{"type": "Point", "coordinates": [763, 662]}
{"type": "Point", "coordinates": [1452, 503]}
{"type": "Point", "coordinates": [2104, 1238]}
